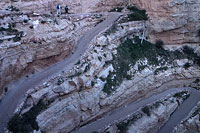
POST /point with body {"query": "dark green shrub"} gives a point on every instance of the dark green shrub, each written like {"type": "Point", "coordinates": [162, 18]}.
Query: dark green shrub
{"type": "Point", "coordinates": [100, 58]}
{"type": "Point", "coordinates": [159, 44]}
{"type": "Point", "coordinates": [186, 65]}
{"type": "Point", "coordinates": [197, 60]}
{"type": "Point", "coordinates": [1, 41]}
{"type": "Point", "coordinates": [26, 123]}
{"type": "Point", "coordinates": [136, 14]}
{"type": "Point", "coordinates": [25, 21]}
{"type": "Point", "coordinates": [191, 54]}
{"type": "Point", "coordinates": [188, 50]}
{"type": "Point", "coordinates": [13, 8]}
{"type": "Point", "coordinates": [196, 81]}
{"type": "Point", "coordinates": [199, 32]}
{"type": "Point", "coordinates": [6, 89]}
{"type": "Point", "coordinates": [18, 36]}
{"type": "Point", "coordinates": [87, 68]}
{"type": "Point", "coordinates": [43, 21]}
{"type": "Point", "coordinates": [146, 110]}
{"type": "Point", "coordinates": [31, 27]}
{"type": "Point", "coordinates": [75, 75]}
{"type": "Point", "coordinates": [60, 81]}
{"type": "Point", "coordinates": [130, 51]}
{"type": "Point", "coordinates": [123, 126]}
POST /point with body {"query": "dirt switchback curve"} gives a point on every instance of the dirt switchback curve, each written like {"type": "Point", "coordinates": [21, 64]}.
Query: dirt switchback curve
{"type": "Point", "coordinates": [18, 88]}
{"type": "Point", "coordinates": [122, 112]}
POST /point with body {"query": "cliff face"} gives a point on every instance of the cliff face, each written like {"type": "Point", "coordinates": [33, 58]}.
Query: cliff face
{"type": "Point", "coordinates": [173, 21]}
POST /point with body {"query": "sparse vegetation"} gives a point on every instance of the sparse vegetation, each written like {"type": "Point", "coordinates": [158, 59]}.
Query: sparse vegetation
{"type": "Point", "coordinates": [160, 70]}
{"type": "Point", "coordinates": [12, 8]}
{"type": "Point", "coordinates": [6, 89]}
{"type": "Point", "coordinates": [123, 126]}
{"type": "Point", "coordinates": [187, 65]}
{"type": "Point", "coordinates": [197, 81]}
{"type": "Point", "coordinates": [131, 51]}
{"type": "Point", "coordinates": [196, 112]}
{"type": "Point", "coordinates": [18, 36]}
{"type": "Point", "coordinates": [60, 81]}
{"type": "Point", "coordinates": [1, 41]}
{"type": "Point", "coordinates": [27, 122]}
{"type": "Point", "coordinates": [25, 20]}
{"type": "Point", "coordinates": [99, 58]}
{"type": "Point", "coordinates": [87, 68]}
{"type": "Point", "coordinates": [146, 110]}
{"type": "Point", "coordinates": [31, 27]}
{"type": "Point", "coordinates": [191, 54]}
{"type": "Point", "coordinates": [75, 75]}
{"type": "Point", "coordinates": [11, 31]}
{"type": "Point", "coordinates": [43, 22]}
{"type": "Point", "coordinates": [135, 15]}
{"type": "Point", "coordinates": [183, 95]}
{"type": "Point", "coordinates": [195, 84]}
{"type": "Point", "coordinates": [159, 44]}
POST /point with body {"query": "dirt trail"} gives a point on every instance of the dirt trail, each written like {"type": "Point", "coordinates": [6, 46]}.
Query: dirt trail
{"type": "Point", "coordinates": [123, 112]}
{"type": "Point", "coordinates": [18, 88]}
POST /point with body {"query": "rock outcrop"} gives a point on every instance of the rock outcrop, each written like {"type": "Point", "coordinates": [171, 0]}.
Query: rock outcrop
{"type": "Point", "coordinates": [88, 99]}
{"type": "Point", "coordinates": [173, 21]}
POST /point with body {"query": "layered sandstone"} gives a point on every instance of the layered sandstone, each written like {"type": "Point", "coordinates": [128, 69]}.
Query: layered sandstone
{"type": "Point", "coordinates": [173, 21]}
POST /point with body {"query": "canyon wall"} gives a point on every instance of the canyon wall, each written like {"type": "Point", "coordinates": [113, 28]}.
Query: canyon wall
{"type": "Point", "coordinates": [173, 21]}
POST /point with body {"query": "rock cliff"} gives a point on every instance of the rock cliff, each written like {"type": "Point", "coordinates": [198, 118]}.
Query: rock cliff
{"type": "Point", "coordinates": [173, 21]}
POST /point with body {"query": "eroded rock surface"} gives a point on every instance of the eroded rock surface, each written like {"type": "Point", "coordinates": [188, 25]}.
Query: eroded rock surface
{"type": "Point", "coordinates": [173, 21]}
{"type": "Point", "coordinates": [91, 102]}
{"type": "Point", "coordinates": [29, 43]}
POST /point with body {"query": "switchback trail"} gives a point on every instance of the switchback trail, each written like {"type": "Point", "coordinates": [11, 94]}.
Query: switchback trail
{"type": "Point", "coordinates": [18, 88]}
{"type": "Point", "coordinates": [122, 112]}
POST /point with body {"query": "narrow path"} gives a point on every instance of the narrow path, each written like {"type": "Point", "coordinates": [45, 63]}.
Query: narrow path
{"type": "Point", "coordinates": [18, 88]}
{"type": "Point", "coordinates": [181, 113]}
{"type": "Point", "coordinates": [123, 112]}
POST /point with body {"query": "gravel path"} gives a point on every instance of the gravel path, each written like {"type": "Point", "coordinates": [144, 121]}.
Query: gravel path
{"type": "Point", "coordinates": [18, 88]}
{"type": "Point", "coordinates": [182, 112]}
{"type": "Point", "coordinates": [123, 112]}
